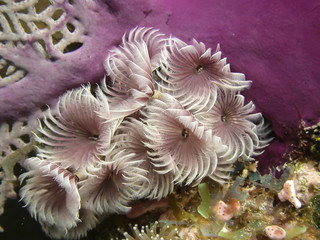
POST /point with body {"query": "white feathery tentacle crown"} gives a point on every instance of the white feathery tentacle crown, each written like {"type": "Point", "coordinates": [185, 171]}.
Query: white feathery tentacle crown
{"type": "Point", "coordinates": [166, 113]}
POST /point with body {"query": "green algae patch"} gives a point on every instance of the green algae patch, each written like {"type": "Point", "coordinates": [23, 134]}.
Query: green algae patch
{"type": "Point", "coordinates": [241, 234]}
{"type": "Point", "coordinates": [204, 209]}
{"type": "Point", "coordinates": [315, 212]}
{"type": "Point", "coordinates": [291, 233]}
{"type": "Point", "coordinates": [179, 211]}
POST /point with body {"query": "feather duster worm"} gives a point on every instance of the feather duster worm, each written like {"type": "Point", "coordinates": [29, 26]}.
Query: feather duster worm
{"type": "Point", "coordinates": [110, 188]}
{"type": "Point", "coordinates": [180, 144]}
{"type": "Point", "coordinates": [130, 69]}
{"type": "Point", "coordinates": [176, 116]}
{"type": "Point", "coordinates": [50, 194]}
{"type": "Point", "coordinates": [87, 221]}
{"type": "Point", "coordinates": [132, 139]}
{"type": "Point", "coordinates": [234, 122]}
{"type": "Point", "coordinates": [76, 134]}
{"type": "Point", "coordinates": [191, 74]}
{"type": "Point", "coordinates": [154, 40]}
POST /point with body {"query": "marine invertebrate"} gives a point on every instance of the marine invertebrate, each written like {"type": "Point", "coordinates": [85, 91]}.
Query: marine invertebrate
{"type": "Point", "coordinates": [127, 141]}
{"type": "Point", "coordinates": [192, 74]}
{"type": "Point", "coordinates": [222, 207]}
{"type": "Point", "coordinates": [131, 74]}
{"type": "Point", "coordinates": [50, 193]}
{"type": "Point", "coordinates": [65, 37]}
{"type": "Point", "coordinates": [74, 134]}
{"type": "Point", "coordinates": [222, 211]}
{"type": "Point", "coordinates": [132, 141]}
{"type": "Point", "coordinates": [16, 143]}
{"type": "Point", "coordinates": [87, 221]}
{"type": "Point", "coordinates": [154, 40]}
{"type": "Point", "coordinates": [180, 143]}
{"type": "Point", "coordinates": [288, 192]}
{"type": "Point", "coordinates": [235, 123]}
{"type": "Point", "coordinates": [226, 211]}
{"type": "Point", "coordinates": [102, 25]}
{"type": "Point", "coordinates": [275, 232]}
{"type": "Point", "coordinates": [111, 187]}
{"type": "Point", "coordinates": [156, 231]}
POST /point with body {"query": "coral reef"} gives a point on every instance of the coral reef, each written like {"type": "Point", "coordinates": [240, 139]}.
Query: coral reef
{"type": "Point", "coordinates": [249, 206]}
{"type": "Point", "coordinates": [99, 147]}
{"type": "Point", "coordinates": [168, 120]}
{"type": "Point", "coordinates": [16, 144]}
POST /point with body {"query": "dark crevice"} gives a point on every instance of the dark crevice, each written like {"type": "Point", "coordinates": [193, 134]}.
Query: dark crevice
{"type": "Point", "coordinates": [57, 14]}
{"type": "Point", "coordinates": [147, 12]}
{"type": "Point", "coordinates": [41, 44]}
{"type": "Point", "coordinates": [168, 19]}
{"type": "Point", "coordinates": [25, 138]}
{"type": "Point", "coordinates": [53, 59]}
{"type": "Point", "coordinates": [41, 5]}
{"type": "Point", "coordinates": [13, 147]}
{"type": "Point", "coordinates": [24, 11]}
{"type": "Point", "coordinates": [72, 47]}
{"type": "Point", "coordinates": [10, 125]}
{"type": "Point", "coordinates": [113, 9]}
{"type": "Point", "coordinates": [185, 133]}
{"type": "Point", "coordinates": [56, 37]}
{"type": "Point", "coordinates": [25, 26]}
{"type": "Point", "coordinates": [70, 27]}
{"type": "Point", "coordinates": [40, 25]}
{"type": "Point", "coordinates": [44, 108]}
{"type": "Point", "coordinates": [32, 154]}
{"type": "Point", "coordinates": [3, 70]}
{"type": "Point", "coordinates": [6, 16]}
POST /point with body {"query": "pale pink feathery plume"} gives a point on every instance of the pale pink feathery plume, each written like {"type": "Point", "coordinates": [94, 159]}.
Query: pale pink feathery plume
{"type": "Point", "coordinates": [110, 188]}
{"type": "Point", "coordinates": [154, 40]}
{"type": "Point", "coordinates": [236, 124]}
{"type": "Point", "coordinates": [222, 172]}
{"type": "Point", "coordinates": [74, 134]}
{"type": "Point", "coordinates": [180, 144]}
{"type": "Point", "coordinates": [130, 70]}
{"type": "Point", "coordinates": [265, 134]}
{"type": "Point", "coordinates": [131, 138]}
{"type": "Point", "coordinates": [88, 221]}
{"type": "Point", "coordinates": [191, 73]}
{"type": "Point", "coordinates": [50, 193]}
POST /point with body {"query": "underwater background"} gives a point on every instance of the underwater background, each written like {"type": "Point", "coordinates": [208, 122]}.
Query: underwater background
{"type": "Point", "coordinates": [48, 47]}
